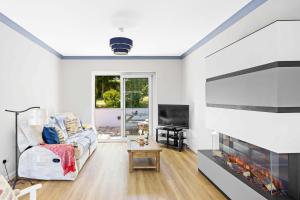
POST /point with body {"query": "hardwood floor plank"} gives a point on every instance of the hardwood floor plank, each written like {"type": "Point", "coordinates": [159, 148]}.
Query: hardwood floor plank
{"type": "Point", "coordinates": [106, 176]}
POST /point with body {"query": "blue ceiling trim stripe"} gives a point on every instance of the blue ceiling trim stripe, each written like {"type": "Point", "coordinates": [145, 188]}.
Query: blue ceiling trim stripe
{"type": "Point", "coordinates": [121, 58]}
{"type": "Point", "coordinates": [27, 34]}
{"type": "Point", "coordinates": [225, 25]}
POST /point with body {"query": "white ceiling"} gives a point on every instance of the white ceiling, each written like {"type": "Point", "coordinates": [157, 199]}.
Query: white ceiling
{"type": "Point", "coordinates": [157, 27]}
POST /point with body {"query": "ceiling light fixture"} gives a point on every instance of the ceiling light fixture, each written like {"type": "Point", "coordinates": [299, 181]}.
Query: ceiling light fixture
{"type": "Point", "coordinates": [120, 45]}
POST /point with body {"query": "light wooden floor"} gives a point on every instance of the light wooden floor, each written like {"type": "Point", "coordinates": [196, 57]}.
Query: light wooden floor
{"type": "Point", "coordinates": [105, 176]}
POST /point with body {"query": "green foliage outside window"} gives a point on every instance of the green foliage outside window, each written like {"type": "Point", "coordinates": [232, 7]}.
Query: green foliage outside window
{"type": "Point", "coordinates": [107, 92]}
{"type": "Point", "coordinates": [136, 93]}
{"type": "Point", "coordinates": [112, 98]}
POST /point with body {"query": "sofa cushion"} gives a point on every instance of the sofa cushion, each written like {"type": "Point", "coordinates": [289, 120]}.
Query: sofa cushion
{"type": "Point", "coordinates": [50, 135]}
{"type": "Point", "coordinates": [81, 144]}
{"type": "Point", "coordinates": [72, 125]}
{"type": "Point", "coordinates": [29, 135]}
{"type": "Point", "coordinates": [37, 133]}
{"type": "Point", "coordinates": [61, 124]}
{"type": "Point", "coordinates": [89, 134]}
{"type": "Point", "coordinates": [60, 134]}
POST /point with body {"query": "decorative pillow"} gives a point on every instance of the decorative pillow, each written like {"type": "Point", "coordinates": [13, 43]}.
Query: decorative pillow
{"type": "Point", "coordinates": [86, 126]}
{"type": "Point", "coordinates": [72, 125]}
{"type": "Point", "coordinates": [50, 135]}
{"type": "Point", "coordinates": [51, 122]}
{"type": "Point", "coordinates": [37, 132]}
{"type": "Point", "coordinates": [6, 193]}
{"type": "Point", "coordinates": [60, 134]}
{"type": "Point", "coordinates": [60, 121]}
{"type": "Point", "coordinates": [29, 135]}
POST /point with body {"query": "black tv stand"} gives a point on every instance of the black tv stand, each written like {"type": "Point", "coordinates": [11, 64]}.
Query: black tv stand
{"type": "Point", "coordinates": [171, 136]}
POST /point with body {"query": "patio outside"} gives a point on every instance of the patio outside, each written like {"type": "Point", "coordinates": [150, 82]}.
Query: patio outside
{"type": "Point", "coordinates": [108, 110]}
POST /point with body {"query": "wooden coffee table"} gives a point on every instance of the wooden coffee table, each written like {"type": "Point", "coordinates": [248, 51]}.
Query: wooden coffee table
{"type": "Point", "coordinates": [151, 151]}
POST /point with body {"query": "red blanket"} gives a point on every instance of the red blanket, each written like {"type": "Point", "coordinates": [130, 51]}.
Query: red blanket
{"type": "Point", "coordinates": [66, 154]}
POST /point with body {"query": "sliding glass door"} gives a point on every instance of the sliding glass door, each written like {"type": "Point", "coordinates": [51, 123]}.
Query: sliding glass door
{"type": "Point", "coordinates": [137, 104]}
{"type": "Point", "coordinates": [123, 105]}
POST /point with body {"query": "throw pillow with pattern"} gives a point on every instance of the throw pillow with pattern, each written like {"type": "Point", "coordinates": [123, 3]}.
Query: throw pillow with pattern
{"type": "Point", "coordinates": [72, 125]}
{"type": "Point", "coordinates": [60, 134]}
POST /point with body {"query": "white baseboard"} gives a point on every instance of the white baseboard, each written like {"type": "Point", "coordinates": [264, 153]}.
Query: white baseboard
{"type": "Point", "coordinates": [193, 149]}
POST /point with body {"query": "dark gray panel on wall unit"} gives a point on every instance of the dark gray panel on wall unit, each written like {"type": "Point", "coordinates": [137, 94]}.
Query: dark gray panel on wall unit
{"type": "Point", "coordinates": [288, 86]}
{"type": "Point", "coordinates": [253, 89]}
{"type": "Point", "coordinates": [273, 87]}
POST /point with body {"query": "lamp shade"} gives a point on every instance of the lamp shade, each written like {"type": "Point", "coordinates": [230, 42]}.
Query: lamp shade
{"type": "Point", "coordinates": [120, 45]}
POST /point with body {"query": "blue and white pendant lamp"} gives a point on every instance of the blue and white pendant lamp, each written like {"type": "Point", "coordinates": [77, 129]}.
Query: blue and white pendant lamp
{"type": "Point", "coordinates": [120, 45]}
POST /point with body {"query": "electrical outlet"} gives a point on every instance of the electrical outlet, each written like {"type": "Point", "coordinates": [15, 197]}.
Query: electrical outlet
{"type": "Point", "coordinates": [4, 161]}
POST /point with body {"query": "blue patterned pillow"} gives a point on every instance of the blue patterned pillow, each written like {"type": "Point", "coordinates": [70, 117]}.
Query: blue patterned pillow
{"type": "Point", "coordinates": [50, 135]}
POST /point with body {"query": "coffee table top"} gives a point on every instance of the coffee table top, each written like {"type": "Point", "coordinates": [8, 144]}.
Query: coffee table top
{"type": "Point", "coordinates": [133, 145]}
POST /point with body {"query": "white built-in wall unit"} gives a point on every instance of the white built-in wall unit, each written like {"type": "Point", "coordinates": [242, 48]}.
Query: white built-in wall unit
{"type": "Point", "coordinates": [263, 89]}
{"type": "Point", "coordinates": [264, 48]}
{"type": "Point", "coordinates": [255, 40]}
{"type": "Point", "coordinates": [252, 95]}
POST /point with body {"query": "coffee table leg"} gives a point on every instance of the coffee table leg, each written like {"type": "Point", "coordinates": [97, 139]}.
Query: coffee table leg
{"type": "Point", "coordinates": [158, 161]}
{"type": "Point", "coordinates": [130, 162]}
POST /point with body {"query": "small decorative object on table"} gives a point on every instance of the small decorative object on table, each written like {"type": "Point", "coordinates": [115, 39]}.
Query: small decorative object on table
{"type": "Point", "coordinates": [141, 141]}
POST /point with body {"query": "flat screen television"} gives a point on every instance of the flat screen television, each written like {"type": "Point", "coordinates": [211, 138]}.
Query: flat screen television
{"type": "Point", "coordinates": [173, 115]}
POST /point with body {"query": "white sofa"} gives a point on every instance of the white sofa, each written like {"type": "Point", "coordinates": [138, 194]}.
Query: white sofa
{"type": "Point", "coordinates": [37, 162]}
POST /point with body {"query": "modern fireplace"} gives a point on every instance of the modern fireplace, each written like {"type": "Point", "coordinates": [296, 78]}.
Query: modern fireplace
{"type": "Point", "coordinates": [274, 176]}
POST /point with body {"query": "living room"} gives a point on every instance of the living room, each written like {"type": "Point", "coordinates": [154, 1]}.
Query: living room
{"type": "Point", "coordinates": [86, 87]}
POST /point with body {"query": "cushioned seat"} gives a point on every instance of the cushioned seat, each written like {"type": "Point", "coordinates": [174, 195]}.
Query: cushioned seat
{"type": "Point", "coordinates": [38, 162]}
{"type": "Point", "coordinates": [89, 134]}
{"type": "Point", "coordinates": [83, 144]}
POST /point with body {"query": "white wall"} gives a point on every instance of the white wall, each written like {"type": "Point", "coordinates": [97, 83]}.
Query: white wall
{"type": "Point", "coordinates": [194, 72]}
{"type": "Point", "coordinates": [29, 76]}
{"type": "Point", "coordinates": [77, 81]}
{"type": "Point", "coordinates": [194, 84]}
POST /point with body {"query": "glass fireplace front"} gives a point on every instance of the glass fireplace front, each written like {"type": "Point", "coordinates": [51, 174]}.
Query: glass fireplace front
{"type": "Point", "coordinates": [275, 176]}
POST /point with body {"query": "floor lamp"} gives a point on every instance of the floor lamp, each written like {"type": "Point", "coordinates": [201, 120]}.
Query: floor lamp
{"type": "Point", "coordinates": [17, 178]}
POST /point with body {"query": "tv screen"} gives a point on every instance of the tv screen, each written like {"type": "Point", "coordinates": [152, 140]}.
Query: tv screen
{"type": "Point", "coordinates": [173, 115]}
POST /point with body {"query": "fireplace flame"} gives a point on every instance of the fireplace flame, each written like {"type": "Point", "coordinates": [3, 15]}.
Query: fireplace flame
{"type": "Point", "coordinates": [255, 173]}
